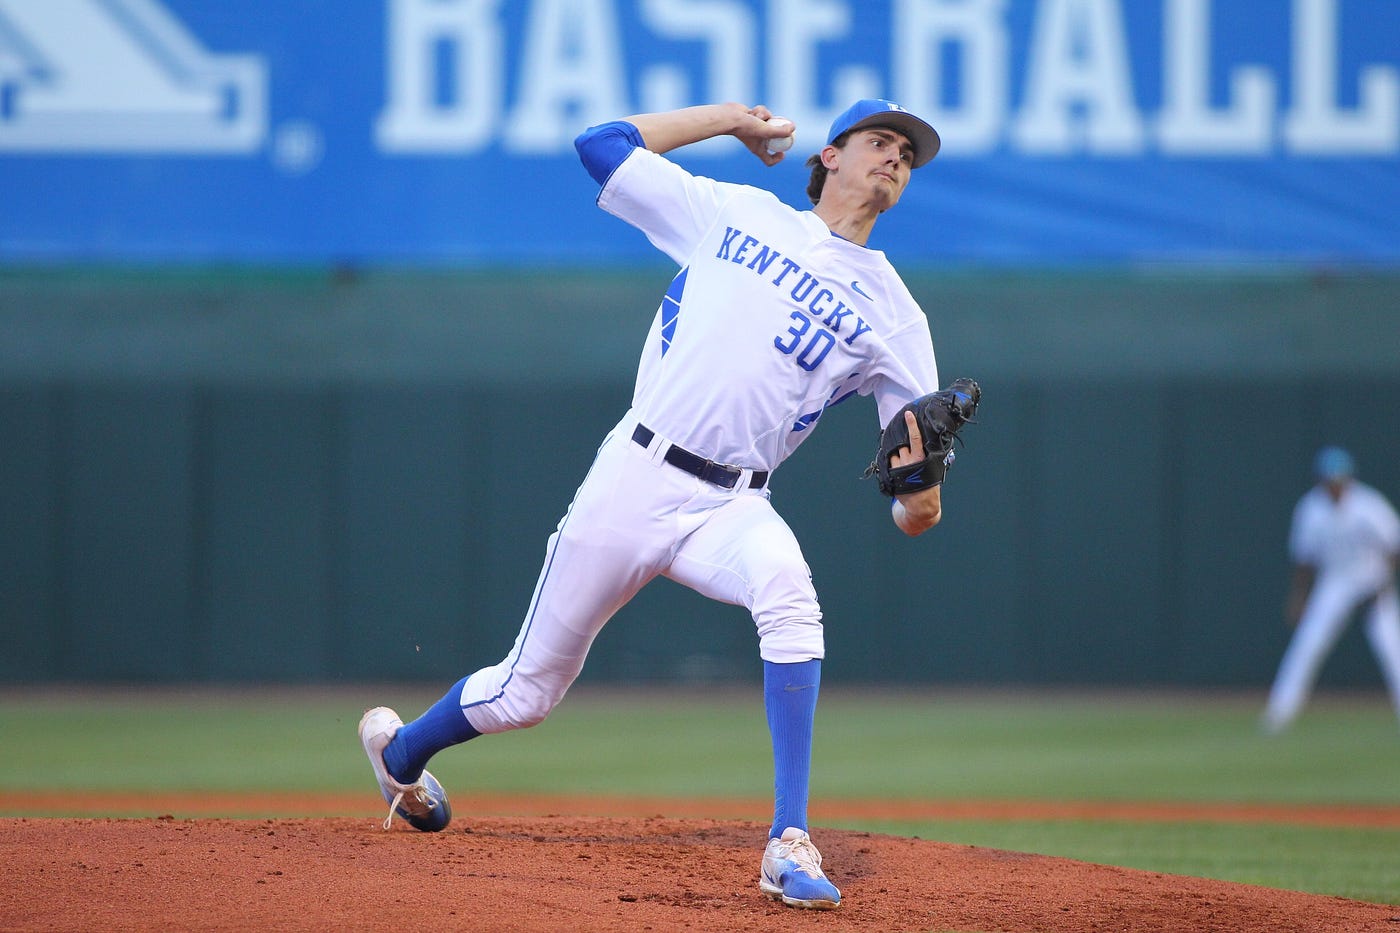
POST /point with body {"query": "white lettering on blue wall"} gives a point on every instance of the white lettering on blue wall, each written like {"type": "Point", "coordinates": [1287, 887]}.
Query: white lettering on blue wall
{"type": "Point", "coordinates": [1074, 92]}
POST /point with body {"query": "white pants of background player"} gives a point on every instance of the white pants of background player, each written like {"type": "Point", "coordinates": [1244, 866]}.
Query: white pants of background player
{"type": "Point", "coordinates": [636, 517]}
{"type": "Point", "coordinates": [1330, 605]}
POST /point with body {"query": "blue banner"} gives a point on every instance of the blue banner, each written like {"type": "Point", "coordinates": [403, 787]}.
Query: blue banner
{"type": "Point", "coordinates": [440, 131]}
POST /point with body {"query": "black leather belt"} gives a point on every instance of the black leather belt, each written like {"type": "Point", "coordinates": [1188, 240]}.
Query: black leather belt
{"type": "Point", "coordinates": [695, 465]}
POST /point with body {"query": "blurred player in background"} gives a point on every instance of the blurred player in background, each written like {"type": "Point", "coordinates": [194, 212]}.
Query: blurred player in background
{"type": "Point", "coordinates": [775, 315]}
{"type": "Point", "coordinates": [1344, 542]}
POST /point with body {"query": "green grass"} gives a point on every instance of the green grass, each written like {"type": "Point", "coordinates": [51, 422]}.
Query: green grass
{"type": "Point", "coordinates": [1166, 747]}
{"type": "Point", "coordinates": [1354, 863]}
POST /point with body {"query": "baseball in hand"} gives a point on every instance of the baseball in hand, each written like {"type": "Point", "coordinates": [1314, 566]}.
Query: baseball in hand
{"type": "Point", "coordinates": [781, 143]}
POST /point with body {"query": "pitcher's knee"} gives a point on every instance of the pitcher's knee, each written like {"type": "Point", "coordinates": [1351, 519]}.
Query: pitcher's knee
{"type": "Point", "coordinates": [786, 613]}
{"type": "Point", "coordinates": [791, 640]}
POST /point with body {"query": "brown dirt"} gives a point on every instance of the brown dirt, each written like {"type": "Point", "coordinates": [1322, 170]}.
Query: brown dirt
{"type": "Point", "coordinates": [538, 872]}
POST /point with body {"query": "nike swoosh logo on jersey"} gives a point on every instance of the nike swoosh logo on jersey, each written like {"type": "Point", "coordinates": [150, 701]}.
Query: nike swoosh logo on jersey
{"type": "Point", "coordinates": [856, 285]}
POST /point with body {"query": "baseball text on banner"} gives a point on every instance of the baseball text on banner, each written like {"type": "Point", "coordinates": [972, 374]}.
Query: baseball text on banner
{"type": "Point", "coordinates": [441, 131]}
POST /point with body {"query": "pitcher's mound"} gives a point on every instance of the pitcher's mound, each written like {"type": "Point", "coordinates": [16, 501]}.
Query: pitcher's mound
{"type": "Point", "coordinates": [577, 874]}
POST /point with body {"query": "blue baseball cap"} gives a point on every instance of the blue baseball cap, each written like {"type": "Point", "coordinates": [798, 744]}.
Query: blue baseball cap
{"type": "Point", "coordinates": [871, 112]}
{"type": "Point", "coordinates": [1333, 463]}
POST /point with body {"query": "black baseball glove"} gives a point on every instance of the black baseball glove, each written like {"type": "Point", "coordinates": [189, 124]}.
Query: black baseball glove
{"type": "Point", "coordinates": [940, 415]}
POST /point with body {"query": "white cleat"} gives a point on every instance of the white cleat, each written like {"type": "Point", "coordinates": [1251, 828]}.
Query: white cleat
{"type": "Point", "coordinates": [423, 803]}
{"type": "Point", "coordinates": [792, 873]}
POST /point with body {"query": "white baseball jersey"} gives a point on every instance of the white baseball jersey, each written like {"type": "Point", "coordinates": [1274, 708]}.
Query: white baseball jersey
{"type": "Point", "coordinates": [771, 319]}
{"type": "Point", "coordinates": [1354, 537]}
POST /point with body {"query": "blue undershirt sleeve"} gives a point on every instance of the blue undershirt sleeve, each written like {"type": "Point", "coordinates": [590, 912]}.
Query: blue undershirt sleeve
{"type": "Point", "coordinates": [604, 147]}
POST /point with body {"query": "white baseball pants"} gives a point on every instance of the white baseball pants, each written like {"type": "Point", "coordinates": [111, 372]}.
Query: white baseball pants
{"type": "Point", "coordinates": [636, 517]}
{"type": "Point", "coordinates": [1325, 616]}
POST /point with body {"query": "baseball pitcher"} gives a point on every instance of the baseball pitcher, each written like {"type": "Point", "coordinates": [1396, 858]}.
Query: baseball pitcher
{"type": "Point", "coordinates": [774, 315]}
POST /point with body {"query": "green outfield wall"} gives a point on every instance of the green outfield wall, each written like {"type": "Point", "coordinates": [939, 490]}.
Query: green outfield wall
{"type": "Point", "coordinates": [339, 475]}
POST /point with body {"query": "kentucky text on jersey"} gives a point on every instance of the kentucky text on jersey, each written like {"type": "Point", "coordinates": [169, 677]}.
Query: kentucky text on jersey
{"type": "Point", "coordinates": [805, 292]}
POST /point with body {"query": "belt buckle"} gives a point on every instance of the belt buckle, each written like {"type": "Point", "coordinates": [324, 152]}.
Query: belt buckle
{"type": "Point", "coordinates": [720, 475]}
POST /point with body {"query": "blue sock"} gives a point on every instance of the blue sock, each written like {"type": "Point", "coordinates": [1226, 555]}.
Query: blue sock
{"type": "Point", "coordinates": [441, 725]}
{"type": "Point", "coordinates": [790, 699]}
